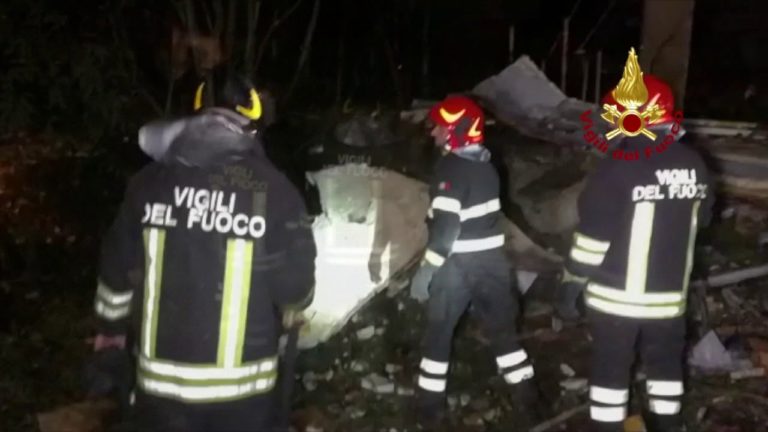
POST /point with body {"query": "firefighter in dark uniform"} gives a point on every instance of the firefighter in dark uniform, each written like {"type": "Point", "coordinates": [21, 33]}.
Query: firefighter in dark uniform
{"type": "Point", "coordinates": [209, 247]}
{"type": "Point", "coordinates": [465, 261]}
{"type": "Point", "coordinates": [632, 252]}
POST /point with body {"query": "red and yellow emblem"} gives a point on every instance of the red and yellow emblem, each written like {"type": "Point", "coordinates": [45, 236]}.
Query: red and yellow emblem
{"type": "Point", "coordinates": [631, 94]}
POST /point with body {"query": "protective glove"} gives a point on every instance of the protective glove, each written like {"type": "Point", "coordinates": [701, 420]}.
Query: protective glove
{"type": "Point", "coordinates": [567, 296]}
{"type": "Point", "coordinates": [109, 372]}
{"type": "Point", "coordinates": [421, 280]}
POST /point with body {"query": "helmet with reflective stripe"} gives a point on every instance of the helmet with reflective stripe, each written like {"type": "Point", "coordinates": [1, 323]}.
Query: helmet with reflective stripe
{"type": "Point", "coordinates": [229, 90]}
{"type": "Point", "coordinates": [463, 119]}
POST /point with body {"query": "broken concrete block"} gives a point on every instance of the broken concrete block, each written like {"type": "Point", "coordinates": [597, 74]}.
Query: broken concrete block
{"type": "Point", "coordinates": [405, 391]}
{"type": "Point", "coordinates": [748, 373]}
{"type": "Point", "coordinates": [491, 414]}
{"type": "Point", "coordinates": [392, 208]}
{"type": "Point", "coordinates": [359, 366]}
{"type": "Point", "coordinates": [366, 333]}
{"type": "Point", "coordinates": [378, 384]}
{"type": "Point", "coordinates": [574, 384]}
{"type": "Point", "coordinates": [392, 368]}
{"type": "Point", "coordinates": [453, 402]}
{"type": "Point", "coordinates": [567, 370]}
{"type": "Point", "coordinates": [356, 413]}
{"type": "Point", "coordinates": [521, 90]}
{"type": "Point", "coordinates": [557, 324]}
{"type": "Point", "coordinates": [709, 354]}
{"type": "Point", "coordinates": [310, 381]}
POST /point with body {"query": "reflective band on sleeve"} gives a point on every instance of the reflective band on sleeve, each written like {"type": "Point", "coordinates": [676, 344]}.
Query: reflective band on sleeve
{"type": "Point", "coordinates": [446, 204]}
{"type": "Point", "coordinates": [431, 384]}
{"type": "Point", "coordinates": [519, 375]}
{"type": "Point", "coordinates": [609, 396]}
{"type": "Point", "coordinates": [636, 311]}
{"type": "Point", "coordinates": [186, 371]}
{"type": "Point", "coordinates": [480, 210]}
{"type": "Point", "coordinates": [154, 244]}
{"type": "Point", "coordinates": [590, 244]}
{"type": "Point", "coordinates": [434, 258]}
{"type": "Point", "coordinates": [607, 414]}
{"type": "Point", "coordinates": [511, 359]}
{"type": "Point", "coordinates": [113, 297]}
{"type": "Point", "coordinates": [664, 407]}
{"type": "Point", "coordinates": [433, 367]}
{"type": "Point", "coordinates": [639, 247]}
{"type": "Point", "coordinates": [637, 298]}
{"type": "Point", "coordinates": [237, 287]}
{"type": "Point", "coordinates": [476, 245]}
{"type": "Point", "coordinates": [205, 393]}
{"type": "Point", "coordinates": [587, 257]}
{"type": "Point", "coordinates": [664, 388]}
{"type": "Point", "coordinates": [111, 313]}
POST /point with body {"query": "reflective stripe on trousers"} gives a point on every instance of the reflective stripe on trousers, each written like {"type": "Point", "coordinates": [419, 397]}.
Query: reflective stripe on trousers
{"type": "Point", "coordinates": [664, 396]}
{"type": "Point", "coordinates": [433, 375]}
{"type": "Point", "coordinates": [515, 366]}
{"type": "Point", "coordinates": [608, 405]}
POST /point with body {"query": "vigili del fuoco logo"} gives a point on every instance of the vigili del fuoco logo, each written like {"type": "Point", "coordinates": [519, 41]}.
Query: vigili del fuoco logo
{"type": "Point", "coordinates": [637, 102]}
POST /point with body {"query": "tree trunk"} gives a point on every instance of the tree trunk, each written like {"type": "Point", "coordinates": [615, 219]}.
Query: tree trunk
{"type": "Point", "coordinates": [229, 43]}
{"type": "Point", "coordinates": [254, 9]}
{"type": "Point", "coordinates": [666, 43]}
{"type": "Point", "coordinates": [305, 49]}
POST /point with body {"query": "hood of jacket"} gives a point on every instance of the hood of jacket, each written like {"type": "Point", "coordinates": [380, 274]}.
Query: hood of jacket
{"type": "Point", "coordinates": [475, 153]}
{"type": "Point", "coordinates": [214, 137]}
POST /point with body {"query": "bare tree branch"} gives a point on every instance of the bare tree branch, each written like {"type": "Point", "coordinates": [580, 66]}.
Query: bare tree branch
{"type": "Point", "coordinates": [254, 10]}
{"type": "Point", "coordinates": [272, 27]}
{"type": "Point", "coordinates": [229, 42]}
{"type": "Point", "coordinates": [218, 13]}
{"type": "Point", "coordinates": [305, 49]}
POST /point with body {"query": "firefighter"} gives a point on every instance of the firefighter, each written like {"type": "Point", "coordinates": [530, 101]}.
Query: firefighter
{"type": "Point", "coordinates": [632, 251]}
{"type": "Point", "coordinates": [209, 247]}
{"type": "Point", "coordinates": [465, 260]}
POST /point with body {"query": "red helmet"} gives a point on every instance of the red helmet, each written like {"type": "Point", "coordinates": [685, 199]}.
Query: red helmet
{"type": "Point", "coordinates": [658, 92]}
{"type": "Point", "coordinates": [462, 117]}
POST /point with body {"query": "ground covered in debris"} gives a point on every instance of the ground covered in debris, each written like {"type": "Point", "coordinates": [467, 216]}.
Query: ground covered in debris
{"type": "Point", "coordinates": [55, 203]}
{"type": "Point", "coordinates": [363, 378]}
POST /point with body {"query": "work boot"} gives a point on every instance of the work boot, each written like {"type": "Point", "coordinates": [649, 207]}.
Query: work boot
{"type": "Point", "coordinates": [663, 423]}
{"type": "Point", "coordinates": [527, 398]}
{"type": "Point", "coordinates": [431, 411]}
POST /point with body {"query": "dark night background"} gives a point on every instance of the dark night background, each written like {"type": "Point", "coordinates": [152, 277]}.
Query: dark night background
{"type": "Point", "coordinates": [94, 66]}
{"type": "Point", "coordinates": [77, 80]}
